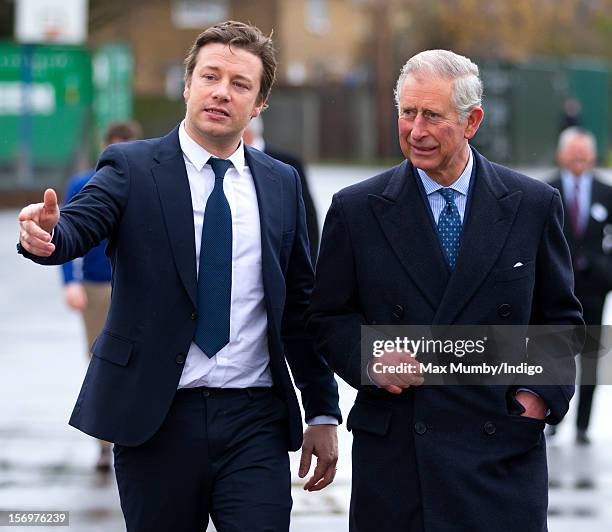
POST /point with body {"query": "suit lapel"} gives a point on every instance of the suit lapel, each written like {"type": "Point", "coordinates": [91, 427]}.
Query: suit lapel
{"type": "Point", "coordinates": [170, 176]}
{"type": "Point", "coordinates": [490, 217]}
{"type": "Point", "coordinates": [268, 188]}
{"type": "Point", "coordinates": [405, 222]}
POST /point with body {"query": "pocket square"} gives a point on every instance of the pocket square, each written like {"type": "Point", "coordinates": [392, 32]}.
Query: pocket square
{"type": "Point", "coordinates": [517, 264]}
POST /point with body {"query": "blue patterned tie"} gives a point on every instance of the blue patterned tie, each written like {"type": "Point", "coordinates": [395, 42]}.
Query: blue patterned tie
{"type": "Point", "coordinates": [449, 227]}
{"type": "Point", "coordinates": [215, 273]}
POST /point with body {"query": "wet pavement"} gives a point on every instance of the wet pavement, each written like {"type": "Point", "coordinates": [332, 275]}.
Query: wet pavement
{"type": "Point", "coordinates": [47, 465]}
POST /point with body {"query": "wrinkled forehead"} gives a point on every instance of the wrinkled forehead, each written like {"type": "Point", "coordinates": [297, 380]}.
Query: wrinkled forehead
{"type": "Point", "coordinates": [426, 88]}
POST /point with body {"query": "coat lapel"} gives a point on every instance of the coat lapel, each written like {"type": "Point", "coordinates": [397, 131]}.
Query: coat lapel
{"type": "Point", "coordinates": [170, 176]}
{"type": "Point", "coordinates": [490, 217]}
{"type": "Point", "coordinates": [405, 222]}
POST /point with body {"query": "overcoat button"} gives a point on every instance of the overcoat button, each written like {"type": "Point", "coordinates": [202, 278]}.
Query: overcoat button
{"type": "Point", "coordinates": [504, 310]}
{"type": "Point", "coordinates": [489, 428]}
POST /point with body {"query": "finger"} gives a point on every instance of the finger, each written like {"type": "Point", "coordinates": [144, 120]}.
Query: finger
{"type": "Point", "coordinates": [43, 250]}
{"type": "Point", "coordinates": [317, 475]}
{"type": "Point", "coordinates": [32, 229]}
{"type": "Point", "coordinates": [305, 462]}
{"type": "Point", "coordinates": [30, 212]}
{"type": "Point", "coordinates": [327, 479]}
{"type": "Point", "coordinates": [410, 379]}
{"type": "Point", "coordinates": [35, 245]}
{"type": "Point", "coordinates": [50, 200]}
{"type": "Point", "coordinates": [392, 388]}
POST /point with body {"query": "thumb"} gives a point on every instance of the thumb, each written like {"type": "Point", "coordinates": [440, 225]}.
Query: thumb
{"type": "Point", "coordinates": [305, 461]}
{"type": "Point", "coordinates": [50, 200]}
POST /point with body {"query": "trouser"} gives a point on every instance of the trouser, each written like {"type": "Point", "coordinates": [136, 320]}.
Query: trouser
{"type": "Point", "coordinates": [221, 453]}
{"type": "Point", "coordinates": [588, 376]}
{"type": "Point", "coordinates": [94, 316]}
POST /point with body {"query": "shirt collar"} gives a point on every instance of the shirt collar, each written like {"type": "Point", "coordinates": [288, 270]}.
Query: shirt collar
{"type": "Point", "coordinates": [461, 185]}
{"type": "Point", "coordinates": [198, 156]}
{"type": "Point", "coordinates": [571, 180]}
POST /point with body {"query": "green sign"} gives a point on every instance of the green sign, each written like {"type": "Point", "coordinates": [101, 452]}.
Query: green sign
{"type": "Point", "coordinates": [112, 74]}
{"type": "Point", "coordinates": [45, 100]}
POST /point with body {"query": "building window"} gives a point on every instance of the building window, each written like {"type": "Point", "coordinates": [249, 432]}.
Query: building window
{"type": "Point", "coordinates": [317, 16]}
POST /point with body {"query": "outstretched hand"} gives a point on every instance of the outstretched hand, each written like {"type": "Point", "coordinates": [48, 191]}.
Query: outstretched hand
{"type": "Point", "coordinates": [36, 223]}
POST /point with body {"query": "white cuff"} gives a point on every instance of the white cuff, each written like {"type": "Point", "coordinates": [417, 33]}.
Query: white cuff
{"type": "Point", "coordinates": [322, 420]}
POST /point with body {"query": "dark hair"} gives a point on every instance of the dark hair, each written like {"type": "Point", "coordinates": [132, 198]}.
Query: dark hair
{"type": "Point", "coordinates": [242, 36]}
{"type": "Point", "coordinates": [122, 131]}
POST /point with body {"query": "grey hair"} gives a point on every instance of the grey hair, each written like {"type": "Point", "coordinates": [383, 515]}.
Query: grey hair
{"type": "Point", "coordinates": [467, 85]}
{"type": "Point", "coordinates": [569, 134]}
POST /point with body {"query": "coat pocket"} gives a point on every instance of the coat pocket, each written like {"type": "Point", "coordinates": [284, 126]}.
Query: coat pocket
{"type": "Point", "coordinates": [510, 274]}
{"type": "Point", "coordinates": [113, 348]}
{"type": "Point", "coordinates": [369, 417]}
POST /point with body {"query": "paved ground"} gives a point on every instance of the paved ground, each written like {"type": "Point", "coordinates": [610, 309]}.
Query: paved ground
{"type": "Point", "coordinates": [46, 465]}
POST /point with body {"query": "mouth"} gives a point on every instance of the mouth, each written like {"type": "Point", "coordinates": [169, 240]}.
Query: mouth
{"type": "Point", "coordinates": [421, 150]}
{"type": "Point", "coordinates": [216, 111]}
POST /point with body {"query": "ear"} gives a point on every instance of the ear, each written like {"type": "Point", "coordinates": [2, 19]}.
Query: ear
{"type": "Point", "coordinates": [473, 122]}
{"type": "Point", "coordinates": [186, 89]}
{"type": "Point", "coordinates": [258, 109]}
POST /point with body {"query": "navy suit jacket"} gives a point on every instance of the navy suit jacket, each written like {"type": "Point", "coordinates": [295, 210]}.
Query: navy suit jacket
{"type": "Point", "coordinates": [594, 279]}
{"type": "Point", "coordinates": [381, 262]}
{"type": "Point", "coordinates": [140, 200]}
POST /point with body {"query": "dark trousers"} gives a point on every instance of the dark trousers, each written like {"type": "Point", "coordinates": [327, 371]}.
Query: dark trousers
{"type": "Point", "coordinates": [219, 453]}
{"type": "Point", "coordinates": [588, 376]}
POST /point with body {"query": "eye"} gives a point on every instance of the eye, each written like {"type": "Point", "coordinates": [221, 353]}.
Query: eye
{"type": "Point", "coordinates": [241, 85]}
{"type": "Point", "coordinates": [409, 113]}
{"type": "Point", "coordinates": [208, 76]}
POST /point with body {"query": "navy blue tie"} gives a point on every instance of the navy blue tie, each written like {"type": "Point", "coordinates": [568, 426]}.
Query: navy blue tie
{"type": "Point", "coordinates": [449, 227]}
{"type": "Point", "coordinates": [215, 273]}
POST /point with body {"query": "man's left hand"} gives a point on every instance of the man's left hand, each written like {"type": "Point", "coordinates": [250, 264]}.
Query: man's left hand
{"type": "Point", "coordinates": [322, 441]}
{"type": "Point", "coordinates": [534, 406]}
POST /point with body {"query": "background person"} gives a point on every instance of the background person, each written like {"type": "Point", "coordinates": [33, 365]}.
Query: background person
{"type": "Point", "coordinates": [588, 206]}
{"type": "Point", "coordinates": [253, 136]}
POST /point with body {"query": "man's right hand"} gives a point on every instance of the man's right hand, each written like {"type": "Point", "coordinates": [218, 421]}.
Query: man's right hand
{"type": "Point", "coordinates": [405, 371]}
{"type": "Point", "coordinates": [76, 297]}
{"type": "Point", "coordinates": [36, 222]}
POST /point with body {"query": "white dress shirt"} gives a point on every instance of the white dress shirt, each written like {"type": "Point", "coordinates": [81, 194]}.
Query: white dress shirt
{"type": "Point", "coordinates": [244, 361]}
{"type": "Point", "coordinates": [461, 186]}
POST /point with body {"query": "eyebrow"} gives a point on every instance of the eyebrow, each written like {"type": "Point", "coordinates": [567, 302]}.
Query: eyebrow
{"type": "Point", "coordinates": [217, 69]}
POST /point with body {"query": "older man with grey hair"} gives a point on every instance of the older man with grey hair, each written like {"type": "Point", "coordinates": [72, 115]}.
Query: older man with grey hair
{"type": "Point", "coordinates": [588, 204]}
{"type": "Point", "coordinates": [444, 238]}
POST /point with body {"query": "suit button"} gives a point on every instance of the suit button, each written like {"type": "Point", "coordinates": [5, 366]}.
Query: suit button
{"type": "Point", "coordinates": [504, 310]}
{"type": "Point", "coordinates": [194, 316]}
{"type": "Point", "coordinates": [398, 311]}
{"type": "Point", "coordinates": [180, 359]}
{"type": "Point", "coordinates": [420, 427]}
{"type": "Point", "coordinates": [205, 393]}
{"type": "Point", "coordinates": [489, 428]}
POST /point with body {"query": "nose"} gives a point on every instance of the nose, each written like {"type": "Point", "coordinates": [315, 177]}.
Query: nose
{"type": "Point", "coordinates": [418, 128]}
{"type": "Point", "coordinates": [221, 91]}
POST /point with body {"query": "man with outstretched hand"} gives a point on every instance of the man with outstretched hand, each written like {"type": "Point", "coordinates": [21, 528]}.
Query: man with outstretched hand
{"type": "Point", "coordinates": [211, 277]}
